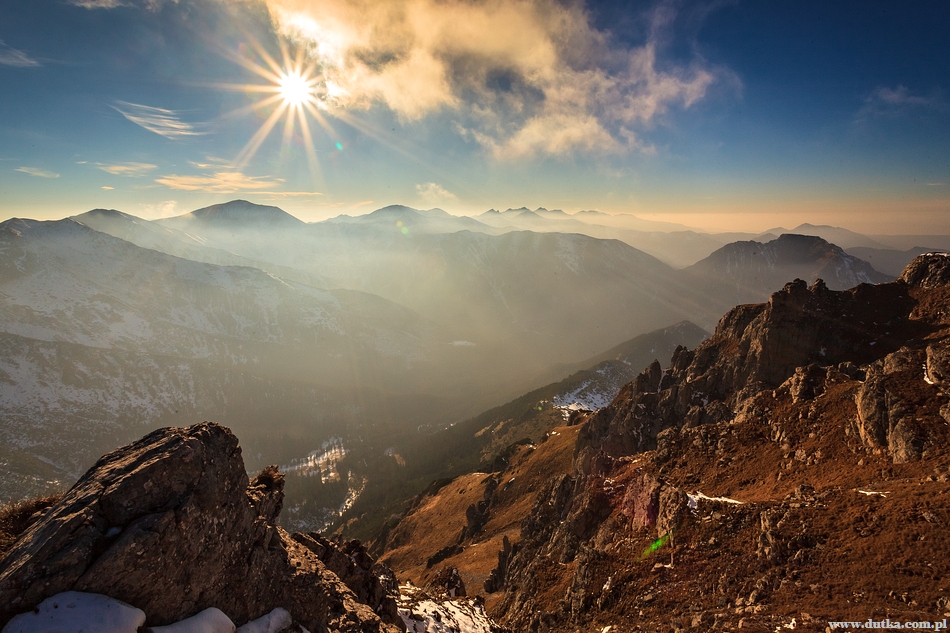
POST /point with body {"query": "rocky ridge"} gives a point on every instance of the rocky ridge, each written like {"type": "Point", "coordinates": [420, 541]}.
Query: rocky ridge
{"type": "Point", "coordinates": [790, 471]}
{"type": "Point", "coordinates": [172, 525]}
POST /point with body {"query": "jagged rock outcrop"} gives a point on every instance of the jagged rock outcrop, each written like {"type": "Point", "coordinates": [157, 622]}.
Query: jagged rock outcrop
{"type": "Point", "coordinates": [375, 585]}
{"type": "Point", "coordinates": [817, 404]}
{"type": "Point", "coordinates": [476, 515]}
{"type": "Point", "coordinates": [756, 347]}
{"type": "Point", "coordinates": [171, 525]}
{"type": "Point", "coordinates": [890, 407]}
{"type": "Point", "coordinates": [446, 582]}
{"type": "Point", "coordinates": [496, 578]}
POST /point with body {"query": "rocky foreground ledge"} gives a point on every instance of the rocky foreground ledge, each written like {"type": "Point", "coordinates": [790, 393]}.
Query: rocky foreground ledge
{"type": "Point", "coordinates": [172, 526]}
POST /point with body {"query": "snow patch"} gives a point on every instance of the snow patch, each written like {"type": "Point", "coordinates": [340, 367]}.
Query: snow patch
{"type": "Point", "coordinates": [422, 614]}
{"type": "Point", "coordinates": [74, 612]}
{"type": "Point", "coordinates": [210, 620]}
{"type": "Point", "coordinates": [275, 621]}
{"type": "Point", "coordinates": [322, 461]}
{"type": "Point", "coordinates": [696, 497]}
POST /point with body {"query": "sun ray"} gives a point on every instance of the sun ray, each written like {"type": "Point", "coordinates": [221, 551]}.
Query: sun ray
{"type": "Point", "coordinates": [254, 107]}
{"type": "Point", "coordinates": [318, 116]}
{"type": "Point", "coordinates": [312, 161]}
{"type": "Point", "coordinates": [289, 127]}
{"type": "Point", "coordinates": [252, 146]}
{"type": "Point", "coordinates": [243, 87]}
{"type": "Point", "coordinates": [254, 67]}
{"type": "Point", "coordinates": [294, 87]}
{"type": "Point", "coordinates": [276, 68]}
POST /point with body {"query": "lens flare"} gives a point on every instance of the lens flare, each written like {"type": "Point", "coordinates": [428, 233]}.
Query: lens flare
{"type": "Point", "coordinates": [655, 546]}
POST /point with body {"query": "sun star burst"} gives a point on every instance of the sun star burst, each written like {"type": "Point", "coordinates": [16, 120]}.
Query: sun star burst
{"type": "Point", "coordinates": [294, 92]}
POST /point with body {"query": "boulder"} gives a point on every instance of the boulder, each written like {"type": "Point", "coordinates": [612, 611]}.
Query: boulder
{"type": "Point", "coordinates": [888, 415]}
{"type": "Point", "coordinates": [446, 582]}
{"type": "Point", "coordinates": [171, 525]}
{"type": "Point", "coordinates": [929, 270]}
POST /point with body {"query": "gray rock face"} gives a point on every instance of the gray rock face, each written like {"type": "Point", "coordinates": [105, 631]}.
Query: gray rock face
{"type": "Point", "coordinates": [171, 525]}
{"type": "Point", "coordinates": [927, 271]}
{"type": "Point", "coordinates": [888, 411]}
{"type": "Point", "coordinates": [374, 584]}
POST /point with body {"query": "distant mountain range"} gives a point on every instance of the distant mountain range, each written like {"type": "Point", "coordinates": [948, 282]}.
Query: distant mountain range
{"type": "Point", "coordinates": [366, 329]}
{"type": "Point", "coordinates": [744, 272]}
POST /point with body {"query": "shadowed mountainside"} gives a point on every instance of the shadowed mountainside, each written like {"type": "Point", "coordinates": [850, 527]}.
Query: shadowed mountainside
{"type": "Point", "coordinates": [790, 471]}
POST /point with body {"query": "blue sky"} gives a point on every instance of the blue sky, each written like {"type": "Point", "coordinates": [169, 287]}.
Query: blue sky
{"type": "Point", "coordinates": [721, 114]}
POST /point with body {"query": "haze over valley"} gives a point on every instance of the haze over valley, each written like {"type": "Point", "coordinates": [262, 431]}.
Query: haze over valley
{"type": "Point", "coordinates": [367, 332]}
{"type": "Point", "coordinates": [445, 316]}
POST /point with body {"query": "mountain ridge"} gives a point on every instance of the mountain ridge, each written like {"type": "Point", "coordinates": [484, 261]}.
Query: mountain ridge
{"type": "Point", "coordinates": [234, 213]}
{"type": "Point", "coordinates": [791, 453]}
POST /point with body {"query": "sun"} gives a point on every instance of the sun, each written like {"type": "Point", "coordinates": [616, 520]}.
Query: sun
{"type": "Point", "coordinates": [295, 90]}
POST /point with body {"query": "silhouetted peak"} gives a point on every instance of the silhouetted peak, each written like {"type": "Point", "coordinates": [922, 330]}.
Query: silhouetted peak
{"type": "Point", "coordinates": [241, 212]}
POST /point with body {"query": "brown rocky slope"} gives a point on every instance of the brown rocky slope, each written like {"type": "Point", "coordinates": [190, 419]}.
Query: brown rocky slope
{"type": "Point", "coordinates": [171, 525]}
{"type": "Point", "coordinates": [790, 471]}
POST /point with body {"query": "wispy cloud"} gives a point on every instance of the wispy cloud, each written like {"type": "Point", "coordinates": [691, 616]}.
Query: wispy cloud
{"type": "Point", "coordinates": [220, 182]}
{"type": "Point", "coordinates": [212, 163]}
{"type": "Point", "coordinates": [434, 194]}
{"type": "Point", "coordinates": [126, 169]}
{"type": "Point", "coordinates": [39, 173]}
{"type": "Point", "coordinates": [899, 96]}
{"type": "Point", "coordinates": [885, 101]}
{"type": "Point", "coordinates": [150, 5]}
{"type": "Point", "coordinates": [159, 120]}
{"type": "Point", "coordinates": [292, 194]}
{"type": "Point", "coordinates": [13, 57]}
{"type": "Point", "coordinates": [97, 4]}
{"type": "Point", "coordinates": [525, 78]}
{"type": "Point", "coordinates": [107, 188]}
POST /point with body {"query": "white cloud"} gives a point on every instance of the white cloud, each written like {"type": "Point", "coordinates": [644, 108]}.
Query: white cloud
{"type": "Point", "coordinates": [126, 169]}
{"type": "Point", "coordinates": [885, 101]}
{"type": "Point", "coordinates": [97, 4]}
{"type": "Point", "coordinates": [166, 209]}
{"type": "Point", "coordinates": [159, 120]}
{"type": "Point", "coordinates": [220, 182]}
{"type": "Point", "coordinates": [523, 78]}
{"type": "Point", "coordinates": [150, 5]}
{"type": "Point", "coordinates": [12, 57]}
{"type": "Point", "coordinates": [899, 96]}
{"type": "Point", "coordinates": [39, 173]}
{"type": "Point", "coordinates": [434, 194]}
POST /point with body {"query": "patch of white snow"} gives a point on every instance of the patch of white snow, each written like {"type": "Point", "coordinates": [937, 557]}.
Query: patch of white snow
{"type": "Point", "coordinates": [696, 497]}
{"type": "Point", "coordinates": [275, 621]}
{"type": "Point", "coordinates": [210, 620]}
{"type": "Point", "coordinates": [74, 612]}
